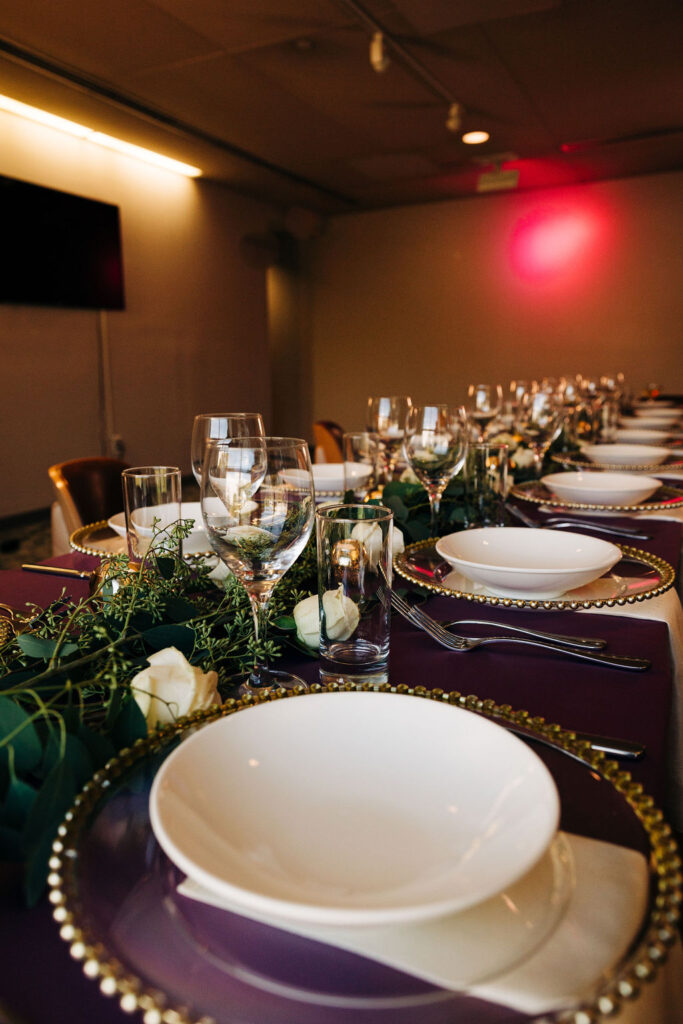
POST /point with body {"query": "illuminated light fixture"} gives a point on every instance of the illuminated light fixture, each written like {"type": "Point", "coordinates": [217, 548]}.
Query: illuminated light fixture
{"type": "Point", "coordinates": [90, 135]}
{"type": "Point", "coordinates": [454, 119]}
{"type": "Point", "coordinates": [379, 58]}
{"type": "Point", "coordinates": [475, 138]}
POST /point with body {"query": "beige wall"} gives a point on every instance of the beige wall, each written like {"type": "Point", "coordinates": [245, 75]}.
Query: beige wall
{"type": "Point", "coordinates": [193, 336]}
{"type": "Point", "coordinates": [426, 299]}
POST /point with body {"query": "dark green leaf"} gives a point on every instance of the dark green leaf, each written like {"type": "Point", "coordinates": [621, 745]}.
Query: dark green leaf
{"type": "Point", "coordinates": [17, 802]}
{"type": "Point", "coordinates": [286, 622]}
{"type": "Point", "coordinates": [26, 744]}
{"type": "Point", "coordinates": [129, 726]}
{"type": "Point", "coordinates": [179, 610]}
{"type": "Point", "coordinates": [98, 746]}
{"type": "Point", "coordinates": [165, 567]}
{"type": "Point", "coordinates": [11, 845]}
{"type": "Point", "coordinates": [181, 637]}
{"type": "Point", "coordinates": [15, 678]}
{"type": "Point", "coordinates": [76, 754]}
{"type": "Point", "coordinates": [36, 646]}
{"type": "Point", "coordinates": [54, 799]}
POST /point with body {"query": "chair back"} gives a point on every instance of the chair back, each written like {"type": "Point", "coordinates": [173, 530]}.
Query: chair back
{"type": "Point", "coordinates": [328, 436]}
{"type": "Point", "coordinates": [88, 489]}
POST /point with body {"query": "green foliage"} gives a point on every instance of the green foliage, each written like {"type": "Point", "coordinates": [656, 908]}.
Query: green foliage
{"type": "Point", "coordinates": [66, 705]}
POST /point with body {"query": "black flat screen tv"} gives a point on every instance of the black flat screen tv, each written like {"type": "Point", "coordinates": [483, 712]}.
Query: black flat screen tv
{"type": "Point", "coordinates": [58, 249]}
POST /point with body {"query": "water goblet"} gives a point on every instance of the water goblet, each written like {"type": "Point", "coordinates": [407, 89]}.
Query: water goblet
{"type": "Point", "coordinates": [220, 426]}
{"type": "Point", "coordinates": [538, 422]}
{"type": "Point", "coordinates": [258, 506]}
{"type": "Point", "coordinates": [386, 417]}
{"type": "Point", "coordinates": [435, 446]}
{"type": "Point", "coordinates": [483, 403]}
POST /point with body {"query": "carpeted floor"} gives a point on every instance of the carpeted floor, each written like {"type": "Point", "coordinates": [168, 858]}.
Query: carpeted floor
{"type": "Point", "coordinates": [25, 539]}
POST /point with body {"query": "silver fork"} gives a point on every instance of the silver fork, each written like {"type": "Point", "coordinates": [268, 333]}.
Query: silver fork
{"type": "Point", "coordinates": [463, 644]}
{"type": "Point", "coordinates": [582, 642]}
{"type": "Point", "coordinates": [556, 522]}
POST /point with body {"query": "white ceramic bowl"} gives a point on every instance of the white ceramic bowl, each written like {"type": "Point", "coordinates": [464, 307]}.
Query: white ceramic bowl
{"type": "Point", "coordinates": [513, 561]}
{"type": "Point", "coordinates": [197, 542]}
{"type": "Point", "coordinates": [329, 476]}
{"type": "Point", "coordinates": [354, 808]}
{"type": "Point", "coordinates": [647, 421]}
{"type": "Point", "coordinates": [626, 454]}
{"type": "Point", "coordinates": [656, 415]}
{"type": "Point", "coordinates": [596, 488]}
{"type": "Point", "coordinates": [629, 435]}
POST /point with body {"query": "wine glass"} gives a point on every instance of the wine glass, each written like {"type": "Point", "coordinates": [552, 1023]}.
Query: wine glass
{"type": "Point", "coordinates": [483, 403]}
{"type": "Point", "coordinates": [258, 506]}
{"type": "Point", "coordinates": [386, 417]}
{"type": "Point", "coordinates": [435, 446]}
{"type": "Point", "coordinates": [538, 421]}
{"type": "Point", "coordinates": [219, 426]}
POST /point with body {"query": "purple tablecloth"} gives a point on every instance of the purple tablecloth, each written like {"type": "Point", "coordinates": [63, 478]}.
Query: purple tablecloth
{"type": "Point", "coordinates": [40, 982]}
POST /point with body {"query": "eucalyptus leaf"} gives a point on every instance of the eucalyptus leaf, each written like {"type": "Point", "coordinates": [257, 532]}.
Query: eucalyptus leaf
{"type": "Point", "coordinates": [25, 741]}
{"type": "Point", "coordinates": [17, 802]}
{"type": "Point", "coordinates": [165, 567]}
{"type": "Point", "coordinates": [12, 849]}
{"type": "Point", "coordinates": [75, 753]}
{"type": "Point", "coordinates": [129, 726]}
{"type": "Point", "coordinates": [99, 747]}
{"type": "Point", "coordinates": [286, 622]}
{"type": "Point", "coordinates": [54, 799]}
{"type": "Point", "coordinates": [181, 637]}
{"type": "Point", "coordinates": [179, 610]}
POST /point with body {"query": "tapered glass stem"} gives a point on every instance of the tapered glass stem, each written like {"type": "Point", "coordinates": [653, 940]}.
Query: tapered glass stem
{"type": "Point", "coordinates": [434, 510]}
{"type": "Point", "coordinates": [259, 602]}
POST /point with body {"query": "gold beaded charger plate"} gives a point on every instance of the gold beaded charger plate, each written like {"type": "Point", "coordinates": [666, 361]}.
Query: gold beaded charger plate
{"type": "Point", "coordinates": [637, 576]}
{"type": "Point", "coordinates": [664, 499]}
{"type": "Point", "coordinates": [112, 892]}
{"type": "Point", "coordinates": [653, 468]}
{"type": "Point", "coordinates": [99, 539]}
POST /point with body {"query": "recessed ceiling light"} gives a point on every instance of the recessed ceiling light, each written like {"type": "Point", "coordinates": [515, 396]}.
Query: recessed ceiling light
{"type": "Point", "coordinates": [475, 138]}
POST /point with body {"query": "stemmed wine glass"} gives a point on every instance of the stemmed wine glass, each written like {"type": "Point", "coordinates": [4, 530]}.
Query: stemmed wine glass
{"type": "Point", "coordinates": [483, 403]}
{"type": "Point", "coordinates": [219, 426]}
{"type": "Point", "coordinates": [538, 421]}
{"type": "Point", "coordinates": [386, 417]}
{"type": "Point", "coordinates": [258, 505]}
{"type": "Point", "coordinates": [435, 446]}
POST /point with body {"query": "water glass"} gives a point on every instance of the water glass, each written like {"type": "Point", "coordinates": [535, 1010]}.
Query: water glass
{"type": "Point", "coordinates": [354, 591]}
{"type": "Point", "coordinates": [220, 426]}
{"type": "Point", "coordinates": [151, 498]}
{"type": "Point", "coordinates": [361, 464]}
{"type": "Point", "coordinates": [486, 484]}
{"type": "Point", "coordinates": [386, 417]}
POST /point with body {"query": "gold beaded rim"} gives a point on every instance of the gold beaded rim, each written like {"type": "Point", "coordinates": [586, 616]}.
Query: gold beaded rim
{"type": "Point", "coordinates": [666, 572]}
{"type": "Point", "coordinates": [658, 934]}
{"type": "Point", "coordinates": [585, 463]}
{"type": "Point", "coordinates": [674, 501]}
{"type": "Point", "coordinates": [79, 537]}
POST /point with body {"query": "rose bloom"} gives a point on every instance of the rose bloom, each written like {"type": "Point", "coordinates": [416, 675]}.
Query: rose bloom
{"type": "Point", "coordinates": [171, 688]}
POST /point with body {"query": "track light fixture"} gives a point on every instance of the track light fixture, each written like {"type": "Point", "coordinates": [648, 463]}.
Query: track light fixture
{"type": "Point", "coordinates": [454, 119]}
{"type": "Point", "coordinates": [379, 58]}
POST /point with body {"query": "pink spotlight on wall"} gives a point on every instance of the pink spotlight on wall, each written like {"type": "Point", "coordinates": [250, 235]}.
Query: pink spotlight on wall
{"type": "Point", "coordinates": [552, 243]}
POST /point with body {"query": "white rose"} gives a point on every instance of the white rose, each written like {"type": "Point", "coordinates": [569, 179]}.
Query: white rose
{"type": "Point", "coordinates": [523, 457]}
{"type": "Point", "coordinates": [341, 617]}
{"type": "Point", "coordinates": [171, 688]}
{"type": "Point", "coordinates": [370, 535]}
{"type": "Point", "coordinates": [408, 477]}
{"type": "Point", "coordinates": [307, 618]}
{"type": "Point", "coordinates": [341, 614]}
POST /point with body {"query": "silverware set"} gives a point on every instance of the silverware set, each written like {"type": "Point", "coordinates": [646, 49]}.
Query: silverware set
{"type": "Point", "coordinates": [557, 522]}
{"type": "Point", "coordinates": [584, 648]}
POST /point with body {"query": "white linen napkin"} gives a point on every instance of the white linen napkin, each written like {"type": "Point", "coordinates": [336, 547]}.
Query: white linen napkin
{"type": "Point", "coordinates": [603, 912]}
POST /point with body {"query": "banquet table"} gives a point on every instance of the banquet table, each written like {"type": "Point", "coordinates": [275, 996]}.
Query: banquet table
{"type": "Point", "coordinates": [39, 982]}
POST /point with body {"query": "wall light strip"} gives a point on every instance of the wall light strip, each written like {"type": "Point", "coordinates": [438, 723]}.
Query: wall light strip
{"type": "Point", "coordinates": [90, 135]}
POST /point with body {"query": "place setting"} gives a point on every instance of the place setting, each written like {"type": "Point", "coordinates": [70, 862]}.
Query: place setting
{"type": "Point", "coordinates": [319, 883]}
